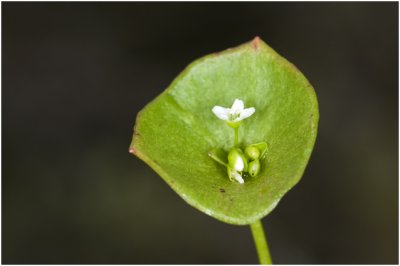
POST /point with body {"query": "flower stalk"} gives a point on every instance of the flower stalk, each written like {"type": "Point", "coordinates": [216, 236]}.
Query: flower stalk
{"type": "Point", "coordinates": [236, 137]}
{"type": "Point", "coordinates": [260, 241]}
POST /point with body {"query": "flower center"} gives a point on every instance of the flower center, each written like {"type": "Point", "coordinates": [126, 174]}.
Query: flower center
{"type": "Point", "coordinates": [233, 115]}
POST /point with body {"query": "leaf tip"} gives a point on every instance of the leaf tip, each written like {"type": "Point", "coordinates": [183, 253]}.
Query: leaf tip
{"type": "Point", "coordinates": [132, 150]}
{"type": "Point", "coordinates": [255, 43]}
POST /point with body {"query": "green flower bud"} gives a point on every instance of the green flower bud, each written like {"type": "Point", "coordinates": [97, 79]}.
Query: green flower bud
{"type": "Point", "coordinates": [252, 152]}
{"type": "Point", "coordinates": [254, 167]}
{"type": "Point", "coordinates": [236, 160]}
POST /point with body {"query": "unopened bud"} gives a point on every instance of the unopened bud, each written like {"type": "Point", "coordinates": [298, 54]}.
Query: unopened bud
{"type": "Point", "coordinates": [237, 161]}
{"type": "Point", "coordinates": [254, 167]}
{"type": "Point", "coordinates": [252, 152]}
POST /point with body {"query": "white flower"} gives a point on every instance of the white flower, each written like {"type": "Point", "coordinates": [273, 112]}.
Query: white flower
{"type": "Point", "coordinates": [236, 176]}
{"type": "Point", "coordinates": [234, 114]}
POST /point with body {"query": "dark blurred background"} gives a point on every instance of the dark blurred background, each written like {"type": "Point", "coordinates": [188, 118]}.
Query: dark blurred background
{"type": "Point", "coordinates": [74, 76]}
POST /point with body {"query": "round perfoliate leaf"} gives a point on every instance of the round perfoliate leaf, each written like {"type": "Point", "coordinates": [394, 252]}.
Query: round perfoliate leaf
{"type": "Point", "coordinates": [178, 135]}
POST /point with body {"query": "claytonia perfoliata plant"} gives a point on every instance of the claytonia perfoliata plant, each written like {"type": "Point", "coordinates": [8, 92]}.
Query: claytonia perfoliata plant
{"type": "Point", "coordinates": [240, 164]}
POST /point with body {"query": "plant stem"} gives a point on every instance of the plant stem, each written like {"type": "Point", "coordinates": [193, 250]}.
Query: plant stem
{"type": "Point", "coordinates": [236, 139]}
{"type": "Point", "coordinates": [261, 242]}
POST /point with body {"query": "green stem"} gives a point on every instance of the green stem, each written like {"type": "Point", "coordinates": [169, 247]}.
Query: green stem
{"type": "Point", "coordinates": [236, 139]}
{"type": "Point", "coordinates": [261, 242]}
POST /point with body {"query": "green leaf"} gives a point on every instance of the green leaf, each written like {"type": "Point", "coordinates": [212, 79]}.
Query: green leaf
{"type": "Point", "coordinates": [176, 131]}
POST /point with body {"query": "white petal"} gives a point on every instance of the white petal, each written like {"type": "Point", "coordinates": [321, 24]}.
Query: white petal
{"type": "Point", "coordinates": [246, 113]}
{"type": "Point", "coordinates": [237, 106]}
{"type": "Point", "coordinates": [221, 112]}
{"type": "Point", "coordinates": [239, 164]}
{"type": "Point", "coordinates": [238, 177]}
